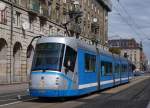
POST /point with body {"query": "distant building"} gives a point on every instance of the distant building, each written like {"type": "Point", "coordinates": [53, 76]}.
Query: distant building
{"type": "Point", "coordinates": [21, 20]}
{"type": "Point", "coordinates": [130, 49]}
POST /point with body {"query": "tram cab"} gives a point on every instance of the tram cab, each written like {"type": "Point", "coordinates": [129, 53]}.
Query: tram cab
{"type": "Point", "coordinates": [54, 67]}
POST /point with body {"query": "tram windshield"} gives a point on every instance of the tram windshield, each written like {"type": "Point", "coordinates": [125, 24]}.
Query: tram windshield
{"type": "Point", "coordinates": [48, 56]}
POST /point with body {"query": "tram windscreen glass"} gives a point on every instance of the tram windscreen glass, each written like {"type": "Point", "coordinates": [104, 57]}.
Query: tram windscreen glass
{"type": "Point", "coordinates": [48, 56]}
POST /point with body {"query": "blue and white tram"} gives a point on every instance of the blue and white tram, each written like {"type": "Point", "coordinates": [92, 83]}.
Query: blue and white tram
{"type": "Point", "coordinates": [66, 66]}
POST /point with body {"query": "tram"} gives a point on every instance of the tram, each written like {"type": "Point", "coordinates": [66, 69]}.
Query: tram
{"type": "Point", "coordinates": [67, 66]}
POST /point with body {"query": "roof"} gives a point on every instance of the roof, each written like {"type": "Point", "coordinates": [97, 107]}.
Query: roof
{"type": "Point", "coordinates": [125, 44]}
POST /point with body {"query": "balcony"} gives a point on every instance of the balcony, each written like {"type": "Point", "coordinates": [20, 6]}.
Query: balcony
{"type": "Point", "coordinates": [33, 7]}
{"type": "Point", "coordinates": [75, 28]}
{"type": "Point", "coordinates": [94, 27]}
{"type": "Point", "coordinates": [43, 13]}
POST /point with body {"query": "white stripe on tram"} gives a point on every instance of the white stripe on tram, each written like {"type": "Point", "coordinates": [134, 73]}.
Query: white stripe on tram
{"type": "Point", "coordinates": [101, 82]}
{"type": "Point", "coordinates": [106, 82]}
{"type": "Point", "coordinates": [124, 78]}
{"type": "Point", "coordinates": [116, 80]}
{"type": "Point", "coordinates": [87, 85]}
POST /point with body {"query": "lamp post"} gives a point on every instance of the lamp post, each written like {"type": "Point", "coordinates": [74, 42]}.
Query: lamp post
{"type": "Point", "coordinates": [95, 25]}
{"type": "Point", "coordinates": [94, 28]}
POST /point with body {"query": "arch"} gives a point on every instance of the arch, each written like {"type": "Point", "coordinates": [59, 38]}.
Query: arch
{"type": "Point", "coordinates": [3, 61]}
{"type": "Point", "coordinates": [17, 52]}
{"type": "Point", "coordinates": [30, 53]}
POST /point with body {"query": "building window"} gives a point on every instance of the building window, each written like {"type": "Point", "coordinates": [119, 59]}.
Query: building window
{"type": "Point", "coordinates": [90, 61]}
{"type": "Point", "coordinates": [88, 16]}
{"type": "Point", "coordinates": [50, 30]}
{"type": "Point", "coordinates": [49, 8]}
{"type": "Point", "coordinates": [57, 14]}
{"type": "Point", "coordinates": [95, 9]}
{"type": "Point", "coordinates": [3, 16]}
{"type": "Point", "coordinates": [58, 31]}
{"type": "Point", "coordinates": [88, 3]}
{"type": "Point", "coordinates": [41, 26]}
{"type": "Point", "coordinates": [135, 57]}
{"type": "Point", "coordinates": [64, 1]}
{"type": "Point", "coordinates": [16, 1]}
{"type": "Point", "coordinates": [106, 68]}
{"type": "Point", "coordinates": [18, 19]}
{"type": "Point", "coordinates": [98, 12]}
{"type": "Point", "coordinates": [31, 22]}
{"type": "Point", "coordinates": [92, 6]}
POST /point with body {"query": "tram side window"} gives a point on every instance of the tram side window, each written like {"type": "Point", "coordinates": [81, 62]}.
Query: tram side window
{"type": "Point", "coordinates": [130, 68]}
{"type": "Point", "coordinates": [90, 62]}
{"type": "Point", "coordinates": [106, 68]}
{"type": "Point", "coordinates": [124, 68]}
{"type": "Point", "coordinates": [117, 68]}
{"type": "Point", "coordinates": [70, 58]}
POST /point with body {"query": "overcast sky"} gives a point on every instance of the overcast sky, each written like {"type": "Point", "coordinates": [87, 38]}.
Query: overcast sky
{"type": "Point", "coordinates": [131, 19]}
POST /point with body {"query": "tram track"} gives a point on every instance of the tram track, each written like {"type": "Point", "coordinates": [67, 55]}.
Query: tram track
{"type": "Point", "coordinates": [123, 93]}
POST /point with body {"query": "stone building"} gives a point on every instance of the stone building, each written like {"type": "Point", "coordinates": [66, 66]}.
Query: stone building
{"type": "Point", "coordinates": [130, 49]}
{"type": "Point", "coordinates": [21, 20]}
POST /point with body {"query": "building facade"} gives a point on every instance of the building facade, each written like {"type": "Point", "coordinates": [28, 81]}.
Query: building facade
{"type": "Point", "coordinates": [21, 20]}
{"type": "Point", "coordinates": [130, 49]}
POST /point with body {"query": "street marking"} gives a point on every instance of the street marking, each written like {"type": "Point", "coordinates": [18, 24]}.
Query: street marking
{"type": "Point", "coordinates": [148, 106]}
{"type": "Point", "coordinates": [8, 100]}
{"type": "Point", "coordinates": [123, 87]}
{"type": "Point", "coordinates": [10, 103]}
{"type": "Point", "coordinates": [12, 95]}
{"type": "Point", "coordinates": [16, 102]}
{"type": "Point", "coordinates": [92, 96]}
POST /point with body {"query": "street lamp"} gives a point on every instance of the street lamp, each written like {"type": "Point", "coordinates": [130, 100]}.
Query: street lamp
{"type": "Point", "coordinates": [75, 14]}
{"type": "Point", "coordinates": [95, 20]}
{"type": "Point", "coordinates": [93, 30]}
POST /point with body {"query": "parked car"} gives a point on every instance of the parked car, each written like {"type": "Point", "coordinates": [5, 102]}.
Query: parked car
{"type": "Point", "coordinates": [138, 73]}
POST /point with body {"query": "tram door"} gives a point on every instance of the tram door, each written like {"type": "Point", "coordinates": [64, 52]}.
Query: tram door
{"type": "Point", "coordinates": [106, 77]}
{"type": "Point", "coordinates": [69, 64]}
{"type": "Point", "coordinates": [98, 70]}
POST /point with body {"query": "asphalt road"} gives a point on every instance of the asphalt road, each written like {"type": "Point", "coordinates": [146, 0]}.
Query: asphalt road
{"type": "Point", "coordinates": [135, 94]}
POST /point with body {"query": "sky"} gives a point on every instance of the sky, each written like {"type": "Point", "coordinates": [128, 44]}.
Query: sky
{"type": "Point", "coordinates": [131, 19]}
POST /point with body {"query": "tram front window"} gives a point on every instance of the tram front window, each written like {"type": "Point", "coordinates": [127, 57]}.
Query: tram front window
{"type": "Point", "coordinates": [48, 56]}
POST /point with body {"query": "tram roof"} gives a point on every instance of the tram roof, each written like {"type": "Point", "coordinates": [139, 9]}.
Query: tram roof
{"type": "Point", "coordinates": [75, 43]}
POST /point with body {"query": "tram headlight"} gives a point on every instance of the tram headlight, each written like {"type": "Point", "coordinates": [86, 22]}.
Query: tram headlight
{"type": "Point", "coordinates": [57, 80]}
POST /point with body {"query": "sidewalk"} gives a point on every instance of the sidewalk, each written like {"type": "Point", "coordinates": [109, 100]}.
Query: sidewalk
{"type": "Point", "coordinates": [13, 88]}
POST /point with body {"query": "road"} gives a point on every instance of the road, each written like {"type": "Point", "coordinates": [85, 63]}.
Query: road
{"type": "Point", "coordinates": [135, 94]}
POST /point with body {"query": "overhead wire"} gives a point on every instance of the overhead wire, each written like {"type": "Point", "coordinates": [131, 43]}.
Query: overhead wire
{"type": "Point", "coordinates": [127, 22]}
{"type": "Point", "coordinates": [132, 20]}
